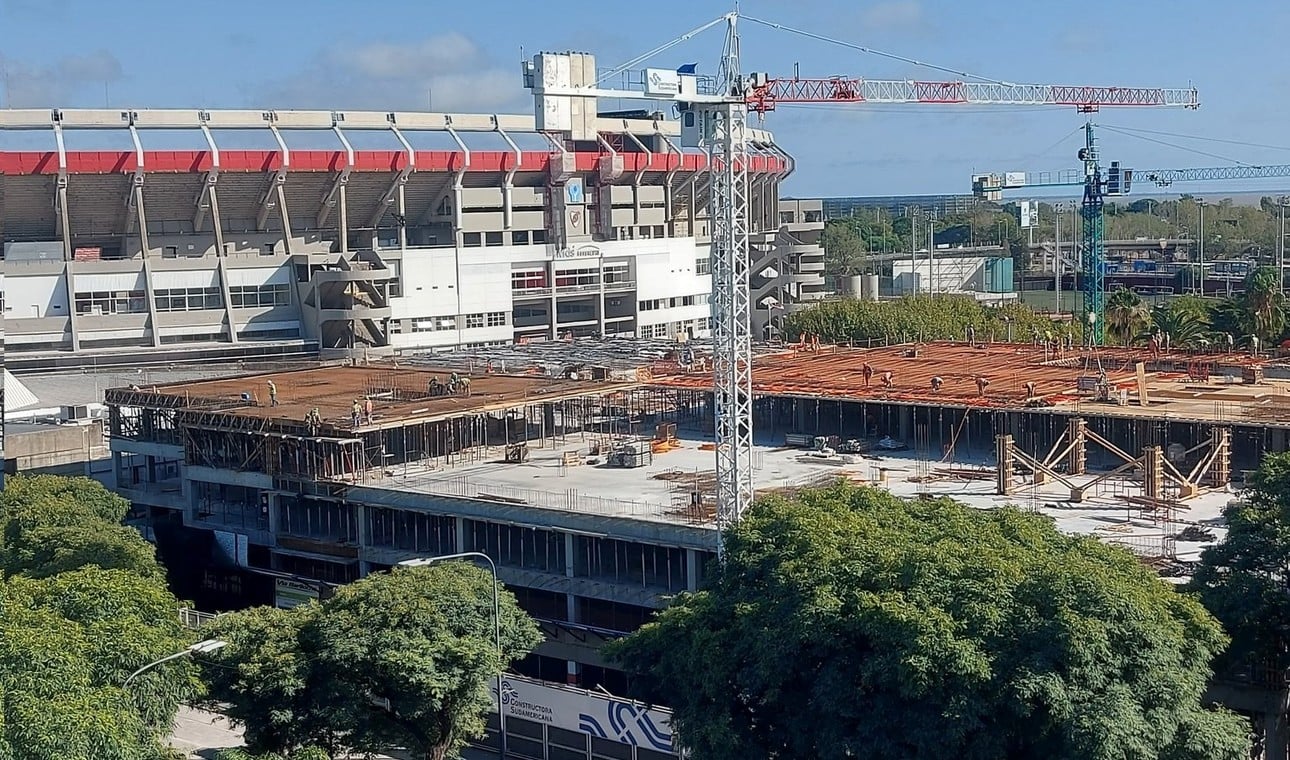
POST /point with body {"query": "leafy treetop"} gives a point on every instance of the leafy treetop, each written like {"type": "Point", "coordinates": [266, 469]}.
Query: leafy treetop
{"type": "Point", "coordinates": [847, 623]}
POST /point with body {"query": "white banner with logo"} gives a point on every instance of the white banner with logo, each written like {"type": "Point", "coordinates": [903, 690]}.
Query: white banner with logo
{"type": "Point", "coordinates": [587, 712]}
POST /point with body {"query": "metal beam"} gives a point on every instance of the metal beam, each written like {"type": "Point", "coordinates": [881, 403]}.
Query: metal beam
{"type": "Point", "coordinates": [455, 188]}
{"type": "Point", "coordinates": [61, 219]}
{"type": "Point", "coordinates": [508, 184]}
{"type": "Point", "coordinates": [63, 222]}
{"type": "Point", "coordinates": [396, 187]}
{"type": "Point", "coordinates": [203, 202]}
{"type": "Point", "coordinates": [336, 194]}
{"type": "Point", "coordinates": [167, 118]}
{"type": "Point", "coordinates": [668, 191]}
{"type": "Point", "coordinates": [134, 199]}
{"type": "Point", "coordinates": [209, 199]}
{"type": "Point", "coordinates": [273, 196]}
{"type": "Point", "coordinates": [638, 176]}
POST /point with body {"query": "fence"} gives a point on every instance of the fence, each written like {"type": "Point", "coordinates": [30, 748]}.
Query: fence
{"type": "Point", "coordinates": [195, 618]}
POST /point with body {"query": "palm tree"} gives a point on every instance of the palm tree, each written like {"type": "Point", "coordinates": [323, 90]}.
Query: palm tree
{"type": "Point", "coordinates": [1264, 304]}
{"type": "Point", "coordinates": [1184, 327]}
{"type": "Point", "coordinates": [1127, 316]}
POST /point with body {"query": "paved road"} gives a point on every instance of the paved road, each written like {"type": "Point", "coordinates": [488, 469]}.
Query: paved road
{"type": "Point", "coordinates": [202, 733]}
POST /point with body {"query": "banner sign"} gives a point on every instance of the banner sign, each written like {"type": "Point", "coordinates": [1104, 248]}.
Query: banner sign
{"type": "Point", "coordinates": [586, 712]}
{"type": "Point", "coordinates": [289, 593]}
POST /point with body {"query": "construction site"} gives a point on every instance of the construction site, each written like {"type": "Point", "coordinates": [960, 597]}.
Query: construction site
{"type": "Point", "coordinates": [624, 429]}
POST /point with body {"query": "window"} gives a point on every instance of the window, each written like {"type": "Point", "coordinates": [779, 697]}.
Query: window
{"type": "Point", "coordinates": [657, 303]}
{"type": "Point", "coordinates": [520, 238]}
{"type": "Point", "coordinates": [496, 319]}
{"type": "Point", "coordinates": [252, 296]}
{"type": "Point", "coordinates": [577, 278]}
{"type": "Point", "coordinates": [474, 320]}
{"type": "Point", "coordinates": [492, 238]}
{"type": "Point", "coordinates": [617, 273]}
{"type": "Point", "coordinates": [539, 236]}
{"type": "Point", "coordinates": [434, 324]}
{"type": "Point", "coordinates": [111, 302]}
{"type": "Point", "coordinates": [528, 279]}
{"type": "Point", "coordinates": [786, 217]}
{"type": "Point", "coordinates": [470, 240]}
{"type": "Point", "coordinates": [188, 299]}
{"type": "Point", "coordinates": [813, 216]}
{"type": "Point", "coordinates": [703, 266]}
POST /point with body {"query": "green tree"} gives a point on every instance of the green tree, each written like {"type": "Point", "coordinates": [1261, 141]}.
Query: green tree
{"type": "Point", "coordinates": [50, 524]}
{"type": "Point", "coordinates": [844, 249]}
{"type": "Point", "coordinates": [918, 318]}
{"type": "Point", "coordinates": [74, 626]}
{"type": "Point", "coordinates": [1265, 304]}
{"type": "Point", "coordinates": [1179, 320]}
{"type": "Point", "coordinates": [397, 660]}
{"type": "Point", "coordinates": [1127, 317]}
{"type": "Point", "coordinates": [847, 623]}
{"type": "Point", "coordinates": [1242, 580]}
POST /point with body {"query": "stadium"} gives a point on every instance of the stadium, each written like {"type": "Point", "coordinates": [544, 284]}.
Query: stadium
{"type": "Point", "coordinates": [315, 248]}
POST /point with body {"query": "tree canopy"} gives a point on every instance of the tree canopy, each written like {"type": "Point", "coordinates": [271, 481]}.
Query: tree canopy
{"type": "Point", "coordinates": [1242, 579]}
{"type": "Point", "coordinates": [847, 623]}
{"type": "Point", "coordinates": [941, 317]}
{"type": "Point", "coordinates": [399, 659]}
{"type": "Point", "coordinates": [83, 603]}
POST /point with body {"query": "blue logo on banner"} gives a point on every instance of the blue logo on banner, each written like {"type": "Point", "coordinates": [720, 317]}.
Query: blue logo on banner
{"type": "Point", "coordinates": [573, 191]}
{"type": "Point", "coordinates": [628, 724]}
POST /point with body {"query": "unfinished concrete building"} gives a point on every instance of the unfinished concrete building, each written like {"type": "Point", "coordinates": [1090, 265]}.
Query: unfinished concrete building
{"type": "Point", "coordinates": [584, 468]}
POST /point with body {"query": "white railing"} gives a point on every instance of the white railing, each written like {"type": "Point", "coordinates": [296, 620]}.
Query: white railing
{"type": "Point", "coordinates": [195, 618]}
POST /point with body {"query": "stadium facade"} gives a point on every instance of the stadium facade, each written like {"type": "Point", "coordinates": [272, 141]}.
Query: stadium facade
{"type": "Point", "coordinates": [209, 252]}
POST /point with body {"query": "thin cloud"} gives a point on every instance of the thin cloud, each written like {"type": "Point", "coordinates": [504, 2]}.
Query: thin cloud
{"type": "Point", "coordinates": [895, 15]}
{"type": "Point", "coordinates": [447, 72]}
{"type": "Point", "coordinates": [63, 82]}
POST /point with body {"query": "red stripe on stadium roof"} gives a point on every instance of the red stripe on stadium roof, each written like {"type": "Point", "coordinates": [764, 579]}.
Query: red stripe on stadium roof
{"type": "Point", "coordinates": [196, 161]}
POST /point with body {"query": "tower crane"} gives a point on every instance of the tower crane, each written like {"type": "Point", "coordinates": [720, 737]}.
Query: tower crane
{"type": "Point", "coordinates": [1117, 181]}
{"type": "Point", "coordinates": [565, 87]}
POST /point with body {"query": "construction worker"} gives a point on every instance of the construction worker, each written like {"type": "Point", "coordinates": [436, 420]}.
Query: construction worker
{"type": "Point", "coordinates": [1030, 389]}
{"type": "Point", "coordinates": [432, 387]}
{"type": "Point", "coordinates": [971, 335]}
{"type": "Point", "coordinates": [357, 413]}
{"type": "Point", "coordinates": [937, 382]}
{"type": "Point", "coordinates": [453, 381]}
{"type": "Point", "coordinates": [273, 393]}
{"type": "Point", "coordinates": [981, 385]}
{"type": "Point", "coordinates": [367, 408]}
{"type": "Point", "coordinates": [886, 379]}
{"type": "Point", "coordinates": [867, 372]}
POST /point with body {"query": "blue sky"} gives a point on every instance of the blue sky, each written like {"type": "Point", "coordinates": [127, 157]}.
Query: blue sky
{"type": "Point", "coordinates": [464, 56]}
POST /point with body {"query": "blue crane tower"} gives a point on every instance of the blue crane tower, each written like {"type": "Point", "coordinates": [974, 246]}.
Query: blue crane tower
{"type": "Point", "coordinates": [1098, 185]}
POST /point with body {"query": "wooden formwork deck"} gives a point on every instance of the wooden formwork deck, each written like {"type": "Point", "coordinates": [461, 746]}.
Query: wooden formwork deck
{"type": "Point", "coordinates": [397, 393]}
{"type": "Point", "coordinates": [837, 372]}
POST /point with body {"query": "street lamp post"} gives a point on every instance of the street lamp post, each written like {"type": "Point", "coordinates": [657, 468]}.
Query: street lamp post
{"type": "Point", "coordinates": [1058, 210]}
{"type": "Point", "coordinates": [497, 625]}
{"type": "Point", "coordinates": [1200, 203]}
{"type": "Point", "coordinates": [1281, 244]}
{"type": "Point", "coordinates": [201, 647]}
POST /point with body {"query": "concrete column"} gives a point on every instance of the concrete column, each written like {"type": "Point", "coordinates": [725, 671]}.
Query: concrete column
{"type": "Point", "coordinates": [1275, 736]}
{"type": "Point", "coordinates": [573, 670]}
{"type": "Point", "coordinates": [273, 514]}
{"type": "Point", "coordinates": [691, 570]}
{"type": "Point", "coordinates": [460, 524]}
{"type": "Point", "coordinates": [906, 424]}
